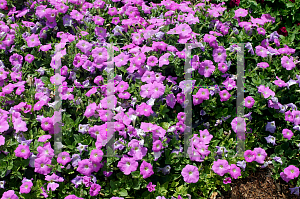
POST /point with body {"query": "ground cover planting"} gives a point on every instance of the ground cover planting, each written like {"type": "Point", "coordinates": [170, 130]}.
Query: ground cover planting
{"type": "Point", "coordinates": [134, 99]}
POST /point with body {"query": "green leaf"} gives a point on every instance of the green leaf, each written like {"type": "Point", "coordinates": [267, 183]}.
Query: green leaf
{"type": "Point", "coordinates": [123, 192]}
{"type": "Point", "coordinates": [290, 4]}
{"type": "Point", "coordinates": [45, 80]}
{"type": "Point", "coordinates": [165, 125]}
{"type": "Point", "coordinates": [135, 174]}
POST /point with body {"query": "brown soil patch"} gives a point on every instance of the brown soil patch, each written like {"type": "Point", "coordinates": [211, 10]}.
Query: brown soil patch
{"type": "Point", "coordinates": [259, 184]}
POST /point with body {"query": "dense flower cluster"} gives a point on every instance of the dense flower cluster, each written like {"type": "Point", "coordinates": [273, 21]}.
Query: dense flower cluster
{"type": "Point", "coordinates": [55, 78]}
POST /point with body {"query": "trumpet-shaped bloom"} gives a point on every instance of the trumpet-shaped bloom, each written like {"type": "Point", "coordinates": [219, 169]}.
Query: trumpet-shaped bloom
{"type": "Point", "coordinates": [249, 102]}
{"type": "Point", "coordinates": [288, 63]}
{"type": "Point", "coordinates": [260, 155]}
{"type": "Point", "coordinates": [33, 40]}
{"type": "Point", "coordinates": [235, 171]}
{"type": "Point", "coordinates": [146, 169]}
{"type": "Point", "coordinates": [219, 54]}
{"type": "Point", "coordinates": [221, 167]}
{"type": "Point", "coordinates": [287, 133]}
{"type": "Point", "coordinates": [85, 167]}
{"type": "Point", "coordinates": [291, 172]}
{"type": "Point", "coordinates": [190, 174]}
{"type": "Point", "coordinates": [127, 165]}
{"type": "Point", "coordinates": [22, 151]}
{"type": "Point", "coordinates": [164, 60]}
{"type": "Point", "coordinates": [206, 68]}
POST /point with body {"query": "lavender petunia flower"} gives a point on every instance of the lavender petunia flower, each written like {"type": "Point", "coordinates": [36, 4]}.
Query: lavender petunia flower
{"type": "Point", "coordinates": [271, 139]}
{"type": "Point", "coordinates": [202, 112]}
{"type": "Point", "coordinates": [67, 21]}
{"type": "Point", "coordinates": [277, 159]}
{"type": "Point", "coordinates": [295, 190]}
{"type": "Point", "coordinates": [41, 71]}
{"type": "Point", "coordinates": [271, 127]}
{"type": "Point", "coordinates": [266, 164]}
{"type": "Point", "coordinates": [241, 164]}
{"type": "Point", "coordinates": [77, 181]}
{"type": "Point", "coordinates": [75, 159]}
{"type": "Point", "coordinates": [221, 150]}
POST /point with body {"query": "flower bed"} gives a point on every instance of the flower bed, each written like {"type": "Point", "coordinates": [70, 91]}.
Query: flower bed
{"type": "Point", "coordinates": [111, 99]}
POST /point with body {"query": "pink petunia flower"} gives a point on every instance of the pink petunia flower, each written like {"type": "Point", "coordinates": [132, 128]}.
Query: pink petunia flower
{"type": "Point", "coordinates": [227, 180]}
{"type": "Point", "coordinates": [260, 155]}
{"type": "Point", "coordinates": [29, 58]}
{"type": "Point", "coordinates": [291, 171]}
{"type": "Point", "coordinates": [3, 125]}
{"type": "Point", "coordinates": [266, 91]}
{"type": "Point", "coordinates": [224, 95]}
{"type": "Point", "coordinates": [146, 169]}
{"type": "Point", "coordinates": [164, 60]}
{"type": "Point", "coordinates": [22, 151]}
{"type": "Point", "coordinates": [219, 54]}
{"type": "Point", "coordinates": [96, 156]}
{"type": "Point", "coordinates": [261, 51]}
{"type": "Point", "coordinates": [20, 125]}
{"type": "Point", "coordinates": [157, 90]}
{"type": "Point", "coordinates": [151, 187]}
{"type": "Point", "coordinates": [190, 174]}
{"type": "Point", "coordinates": [205, 136]}
{"type": "Point", "coordinates": [238, 125]}
{"type": "Point", "coordinates": [240, 13]}
{"type": "Point", "coordinates": [249, 102]}
{"type": "Point", "coordinates": [10, 194]}
{"type": "Point", "coordinates": [157, 146]}
{"type": "Point", "coordinates": [263, 65]}
{"type": "Point", "coordinates": [90, 110]}
{"type": "Point", "coordinates": [288, 63]}
{"type": "Point", "coordinates": [287, 133]}
{"type": "Point", "coordinates": [52, 181]}
{"type": "Point", "coordinates": [95, 189]}
{"type": "Point", "coordinates": [76, 15]}
{"type": "Point", "coordinates": [249, 156]}
{"type": "Point", "coordinates": [235, 171]}
{"type": "Point", "coordinates": [40, 165]}
{"type": "Point", "coordinates": [127, 165]}
{"type": "Point", "coordinates": [220, 167]}
{"type": "Point", "coordinates": [144, 109]}
{"type": "Point", "coordinates": [57, 79]}
{"type": "Point", "coordinates": [279, 82]}
{"type": "Point", "coordinates": [33, 40]}
{"type": "Point", "coordinates": [206, 68]}
{"type": "Point", "coordinates": [85, 167]}
{"type": "Point", "coordinates": [63, 158]}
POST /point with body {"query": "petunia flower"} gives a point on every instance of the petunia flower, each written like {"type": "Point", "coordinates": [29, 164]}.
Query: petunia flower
{"type": "Point", "coordinates": [127, 165]}
{"type": "Point", "coordinates": [33, 40]}
{"type": "Point", "coordinates": [221, 167]}
{"type": "Point", "coordinates": [249, 156]}
{"type": "Point", "coordinates": [219, 54]}
{"type": "Point", "coordinates": [234, 171]}
{"type": "Point", "coordinates": [151, 187]}
{"type": "Point", "coordinates": [95, 189]}
{"type": "Point", "coordinates": [85, 167]}
{"type": "Point", "coordinates": [146, 169]}
{"type": "Point", "coordinates": [164, 60]}
{"type": "Point", "coordinates": [271, 127]}
{"type": "Point", "coordinates": [288, 63]}
{"type": "Point", "coordinates": [271, 139]}
{"type": "Point", "coordinates": [287, 133]}
{"type": "Point", "coordinates": [227, 180]}
{"type": "Point", "coordinates": [291, 171]}
{"type": "Point", "coordinates": [52, 181]}
{"type": "Point", "coordinates": [190, 174]}
{"type": "Point", "coordinates": [249, 102]}
{"type": "Point", "coordinates": [260, 155]}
